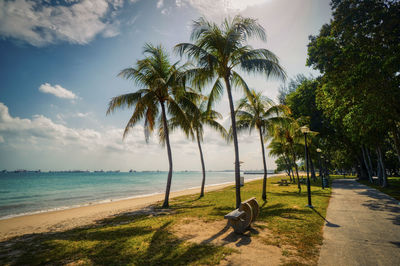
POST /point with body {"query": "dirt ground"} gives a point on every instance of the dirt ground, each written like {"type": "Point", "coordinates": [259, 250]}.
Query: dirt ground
{"type": "Point", "coordinates": [253, 247]}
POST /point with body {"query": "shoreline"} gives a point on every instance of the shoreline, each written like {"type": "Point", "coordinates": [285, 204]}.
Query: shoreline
{"type": "Point", "coordinates": [72, 217]}
{"type": "Point", "coordinates": [102, 201]}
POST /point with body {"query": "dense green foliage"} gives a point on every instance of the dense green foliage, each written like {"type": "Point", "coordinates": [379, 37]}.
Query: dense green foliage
{"type": "Point", "coordinates": [354, 104]}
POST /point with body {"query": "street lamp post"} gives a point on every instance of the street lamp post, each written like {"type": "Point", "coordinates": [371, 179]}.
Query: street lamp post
{"type": "Point", "coordinates": [320, 168]}
{"type": "Point", "coordinates": [305, 130]}
{"type": "Point", "coordinates": [326, 173]}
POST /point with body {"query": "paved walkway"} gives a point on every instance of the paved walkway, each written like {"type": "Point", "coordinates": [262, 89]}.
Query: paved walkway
{"type": "Point", "coordinates": [363, 227]}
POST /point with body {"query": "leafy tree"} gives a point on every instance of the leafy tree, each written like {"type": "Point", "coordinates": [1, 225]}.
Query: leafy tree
{"type": "Point", "coordinates": [160, 90]}
{"type": "Point", "coordinates": [359, 55]}
{"type": "Point", "coordinates": [290, 87]}
{"type": "Point", "coordinates": [256, 111]}
{"type": "Point", "coordinates": [220, 50]}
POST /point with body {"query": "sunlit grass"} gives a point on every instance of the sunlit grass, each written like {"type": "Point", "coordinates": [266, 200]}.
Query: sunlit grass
{"type": "Point", "coordinates": [148, 239]}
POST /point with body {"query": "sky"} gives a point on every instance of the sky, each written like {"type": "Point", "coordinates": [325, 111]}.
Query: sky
{"type": "Point", "coordinates": [59, 62]}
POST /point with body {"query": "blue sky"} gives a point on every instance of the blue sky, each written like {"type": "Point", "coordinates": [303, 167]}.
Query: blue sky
{"type": "Point", "coordinates": [59, 65]}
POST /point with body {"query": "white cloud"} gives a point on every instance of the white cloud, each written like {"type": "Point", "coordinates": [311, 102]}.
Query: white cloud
{"type": "Point", "coordinates": [82, 114]}
{"type": "Point", "coordinates": [15, 130]}
{"type": "Point", "coordinates": [219, 8]}
{"type": "Point", "coordinates": [178, 3]}
{"type": "Point", "coordinates": [42, 143]}
{"type": "Point", "coordinates": [57, 91]}
{"type": "Point", "coordinates": [160, 3]}
{"type": "Point", "coordinates": [41, 24]}
{"type": "Point", "coordinates": [165, 11]}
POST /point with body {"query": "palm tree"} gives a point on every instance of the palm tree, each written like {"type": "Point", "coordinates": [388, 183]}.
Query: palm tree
{"type": "Point", "coordinates": [288, 134]}
{"type": "Point", "coordinates": [194, 129]}
{"type": "Point", "coordinates": [259, 112]}
{"type": "Point", "coordinates": [280, 150]}
{"type": "Point", "coordinates": [219, 51]}
{"type": "Point", "coordinates": [160, 88]}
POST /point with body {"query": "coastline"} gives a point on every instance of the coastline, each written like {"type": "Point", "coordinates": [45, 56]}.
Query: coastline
{"type": "Point", "coordinates": [64, 219]}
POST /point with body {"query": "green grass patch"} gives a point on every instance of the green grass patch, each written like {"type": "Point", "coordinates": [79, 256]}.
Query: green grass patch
{"type": "Point", "coordinates": [393, 188]}
{"type": "Point", "coordinates": [148, 239]}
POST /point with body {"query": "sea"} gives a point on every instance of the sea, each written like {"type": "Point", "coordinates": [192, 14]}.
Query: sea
{"type": "Point", "coordinates": [23, 193]}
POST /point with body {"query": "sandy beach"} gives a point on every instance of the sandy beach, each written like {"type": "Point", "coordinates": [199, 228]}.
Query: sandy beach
{"type": "Point", "coordinates": [75, 217]}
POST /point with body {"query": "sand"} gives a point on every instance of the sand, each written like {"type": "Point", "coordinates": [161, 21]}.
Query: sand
{"type": "Point", "coordinates": [75, 217]}
{"type": "Point", "coordinates": [252, 250]}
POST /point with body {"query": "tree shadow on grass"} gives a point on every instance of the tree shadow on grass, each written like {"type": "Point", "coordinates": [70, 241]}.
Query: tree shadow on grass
{"type": "Point", "coordinates": [167, 249]}
{"type": "Point", "coordinates": [183, 207]}
{"type": "Point", "coordinates": [112, 245]}
{"type": "Point", "coordinates": [82, 243]}
{"type": "Point", "coordinates": [280, 210]}
{"type": "Point", "coordinates": [221, 211]}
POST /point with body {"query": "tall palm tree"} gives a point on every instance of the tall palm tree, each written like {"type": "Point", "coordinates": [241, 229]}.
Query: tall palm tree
{"type": "Point", "coordinates": [260, 112]}
{"type": "Point", "coordinates": [194, 128]}
{"type": "Point", "coordinates": [159, 88]}
{"type": "Point", "coordinates": [219, 51]}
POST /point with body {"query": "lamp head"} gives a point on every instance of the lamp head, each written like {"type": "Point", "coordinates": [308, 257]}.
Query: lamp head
{"type": "Point", "coordinates": [305, 129]}
{"type": "Point", "coordinates": [319, 150]}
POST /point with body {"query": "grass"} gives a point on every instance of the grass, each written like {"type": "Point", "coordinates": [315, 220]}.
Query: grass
{"type": "Point", "coordinates": [148, 239]}
{"type": "Point", "coordinates": [393, 189]}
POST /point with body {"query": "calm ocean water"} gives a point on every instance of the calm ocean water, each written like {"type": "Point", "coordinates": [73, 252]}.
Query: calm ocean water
{"type": "Point", "coordinates": [24, 193]}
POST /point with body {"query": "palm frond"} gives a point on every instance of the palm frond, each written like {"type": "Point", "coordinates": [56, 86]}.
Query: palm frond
{"type": "Point", "coordinates": [269, 68]}
{"type": "Point", "coordinates": [125, 100]}
{"type": "Point", "coordinates": [215, 94]}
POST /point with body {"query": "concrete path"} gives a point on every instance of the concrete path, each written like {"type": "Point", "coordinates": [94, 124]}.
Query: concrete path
{"type": "Point", "coordinates": [363, 227]}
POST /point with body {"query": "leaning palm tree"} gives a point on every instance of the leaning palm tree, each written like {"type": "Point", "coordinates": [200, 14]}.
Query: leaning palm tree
{"type": "Point", "coordinates": [287, 132]}
{"type": "Point", "coordinates": [194, 128]}
{"type": "Point", "coordinates": [256, 111]}
{"type": "Point", "coordinates": [159, 88]}
{"type": "Point", "coordinates": [220, 50]}
{"type": "Point", "coordinates": [281, 150]}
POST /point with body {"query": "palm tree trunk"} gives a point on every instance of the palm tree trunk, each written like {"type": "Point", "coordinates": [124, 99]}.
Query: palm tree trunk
{"type": "Point", "coordinates": [291, 172]}
{"type": "Point", "coordinates": [235, 141]}
{"type": "Point", "coordinates": [264, 191]}
{"type": "Point", "coordinates": [164, 118]}
{"type": "Point", "coordinates": [289, 166]}
{"type": "Point", "coordinates": [312, 167]}
{"type": "Point", "coordinates": [297, 172]}
{"type": "Point", "coordinates": [202, 165]}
